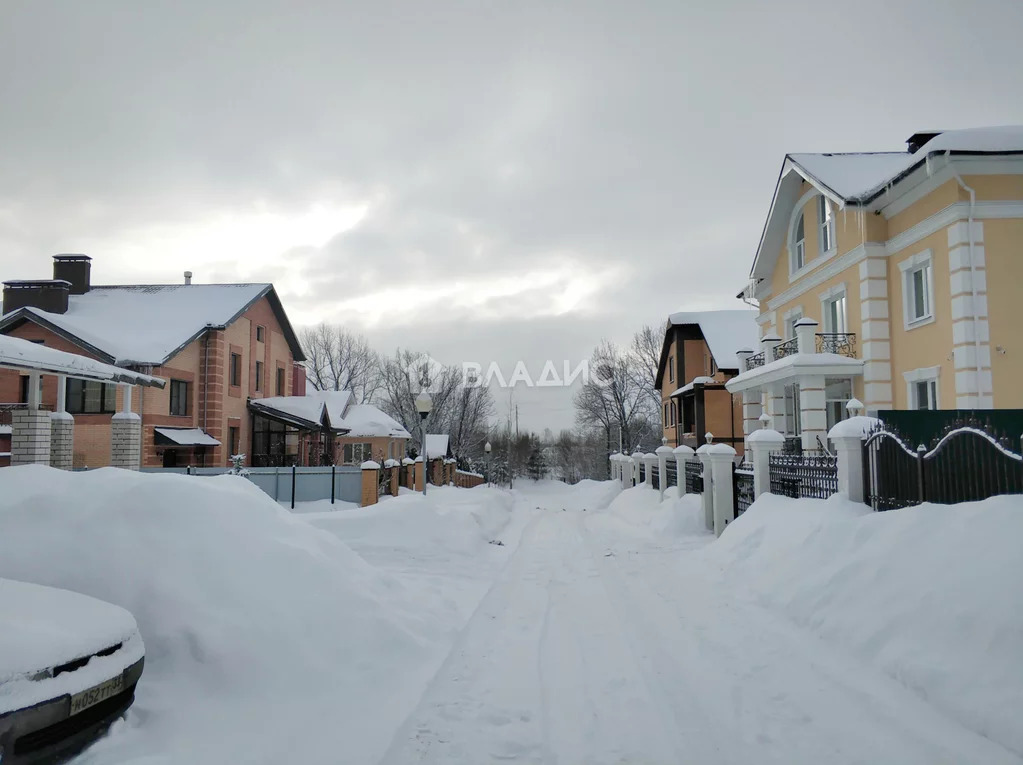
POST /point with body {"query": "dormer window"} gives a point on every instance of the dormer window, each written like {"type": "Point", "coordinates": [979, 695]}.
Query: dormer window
{"type": "Point", "coordinates": [826, 222]}
{"type": "Point", "coordinates": [799, 245]}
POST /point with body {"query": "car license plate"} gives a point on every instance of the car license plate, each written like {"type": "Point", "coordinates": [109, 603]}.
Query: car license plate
{"type": "Point", "coordinates": [96, 694]}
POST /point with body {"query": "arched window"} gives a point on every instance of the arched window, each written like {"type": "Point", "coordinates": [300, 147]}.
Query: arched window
{"type": "Point", "coordinates": [826, 225]}
{"type": "Point", "coordinates": [798, 247]}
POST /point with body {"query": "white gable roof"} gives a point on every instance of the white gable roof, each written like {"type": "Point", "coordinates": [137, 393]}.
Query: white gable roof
{"type": "Point", "coordinates": [148, 324]}
{"type": "Point", "coordinates": [366, 420]}
{"type": "Point", "coordinates": [725, 332]}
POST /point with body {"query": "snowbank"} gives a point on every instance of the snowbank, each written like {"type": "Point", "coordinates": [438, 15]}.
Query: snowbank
{"type": "Point", "coordinates": [928, 594]}
{"type": "Point", "coordinates": [641, 507]}
{"type": "Point", "coordinates": [252, 618]}
{"type": "Point", "coordinates": [585, 495]}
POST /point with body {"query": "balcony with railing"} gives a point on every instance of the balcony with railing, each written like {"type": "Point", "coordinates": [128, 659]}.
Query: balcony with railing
{"type": "Point", "coordinates": [841, 343]}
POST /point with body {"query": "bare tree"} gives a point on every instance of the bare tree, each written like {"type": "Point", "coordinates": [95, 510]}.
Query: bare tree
{"type": "Point", "coordinates": [645, 355]}
{"type": "Point", "coordinates": [339, 359]}
{"type": "Point", "coordinates": [460, 411]}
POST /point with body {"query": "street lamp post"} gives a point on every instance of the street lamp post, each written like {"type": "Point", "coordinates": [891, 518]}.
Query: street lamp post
{"type": "Point", "coordinates": [486, 449]}
{"type": "Point", "coordinates": [424, 404]}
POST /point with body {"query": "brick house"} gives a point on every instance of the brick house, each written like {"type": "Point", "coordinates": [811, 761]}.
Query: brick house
{"type": "Point", "coordinates": [217, 345]}
{"type": "Point", "coordinates": [328, 427]}
{"type": "Point", "coordinates": [697, 359]}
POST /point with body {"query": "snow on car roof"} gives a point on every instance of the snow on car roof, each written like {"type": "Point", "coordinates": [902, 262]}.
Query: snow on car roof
{"type": "Point", "coordinates": [146, 324]}
{"type": "Point", "coordinates": [46, 626]}
{"type": "Point", "coordinates": [725, 332]}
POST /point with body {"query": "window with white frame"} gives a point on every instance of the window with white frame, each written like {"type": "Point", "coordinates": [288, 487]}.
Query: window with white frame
{"type": "Point", "coordinates": [791, 317]}
{"type": "Point", "coordinates": [922, 388]}
{"type": "Point", "coordinates": [837, 393]}
{"type": "Point", "coordinates": [833, 310]}
{"type": "Point", "coordinates": [918, 289]}
{"type": "Point", "coordinates": [825, 224]}
{"type": "Point", "coordinates": [798, 249]}
{"type": "Point", "coordinates": [793, 427]}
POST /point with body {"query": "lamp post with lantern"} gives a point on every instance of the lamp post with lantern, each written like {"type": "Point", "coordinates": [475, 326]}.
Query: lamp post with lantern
{"type": "Point", "coordinates": [424, 405]}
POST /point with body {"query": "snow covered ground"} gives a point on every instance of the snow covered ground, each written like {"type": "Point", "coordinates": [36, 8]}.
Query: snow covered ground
{"type": "Point", "coordinates": [607, 627]}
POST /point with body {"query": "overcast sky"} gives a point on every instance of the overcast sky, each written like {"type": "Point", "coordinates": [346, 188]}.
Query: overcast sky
{"type": "Point", "coordinates": [483, 181]}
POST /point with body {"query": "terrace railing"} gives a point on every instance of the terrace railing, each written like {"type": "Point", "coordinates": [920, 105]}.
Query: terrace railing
{"type": "Point", "coordinates": [842, 343]}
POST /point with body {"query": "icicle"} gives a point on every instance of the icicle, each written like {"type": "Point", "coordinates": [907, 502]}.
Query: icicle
{"type": "Point", "coordinates": [927, 165]}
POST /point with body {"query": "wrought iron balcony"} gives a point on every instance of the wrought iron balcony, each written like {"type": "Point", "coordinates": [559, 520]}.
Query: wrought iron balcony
{"type": "Point", "coordinates": [754, 361]}
{"type": "Point", "coordinates": [788, 348]}
{"type": "Point", "coordinates": [842, 343]}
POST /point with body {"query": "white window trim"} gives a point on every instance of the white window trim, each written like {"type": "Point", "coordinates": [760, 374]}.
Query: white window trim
{"type": "Point", "coordinates": [826, 297]}
{"type": "Point", "coordinates": [907, 267]}
{"type": "Point", "coordinates": [795, 313]}
{"type": "Point", "coordinates": [822, 257]}
{"type": "Point", "coordinates": [923, 374]}
{"type": "Point", "coordinates": [822, 253]}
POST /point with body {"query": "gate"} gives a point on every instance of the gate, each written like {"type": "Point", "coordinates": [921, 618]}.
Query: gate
{"type": "Point", "coordinates": [966, 465]}
{"type": "Point", "coordinates": [742, 487]}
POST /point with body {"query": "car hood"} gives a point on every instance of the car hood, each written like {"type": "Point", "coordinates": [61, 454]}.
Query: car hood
{"type": "Point", "coordinates": [44, 627]}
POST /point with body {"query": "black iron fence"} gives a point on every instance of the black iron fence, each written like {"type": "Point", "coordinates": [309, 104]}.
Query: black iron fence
{"type": "Point", "coordinates": [655, 476]}
{"type": "Point", "coordinates": [842, 343]}
{"type": "Point", "coordinates": [671, 472]}
{"type": "Point", "coordinates": [694, 477]}
{"type": "Point", "coordinates": [808, 474]}
{"type": "Point", "coordinates": [788, 348]}
{"type": "Point", "coordinates": [966, 464]}
{"type": "Point", "coordinates": [642, 472]}
{"type": "Point", "coordinates": [742, 487]}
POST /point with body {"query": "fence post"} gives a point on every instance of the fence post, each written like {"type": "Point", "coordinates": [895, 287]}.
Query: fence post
{"type": "Point", "coordinates": [333, 482]}
{"type": "Point", "coordinates": [763, 443]}
{"type": "Point", "coordinates": [370, 490]}
{"type": "Point", "coordinates": [707, 497]}
{"type": "Point", "coordinates": [663, 455]}
{"type": "Point", "coordinates": [921, 450]}
{"type": "Point", "coordinates": [847, 437]}
{"type": "Point", "coordinates": [722, 462]}
{"type": "Point", "coordinates": [650, 459]}
{"type": "Point", "coordinates": [294, 480]}
{"type": "Point", "coordinates": [682, 454]}
{"type": "Point", "coordinates": [637, 459]}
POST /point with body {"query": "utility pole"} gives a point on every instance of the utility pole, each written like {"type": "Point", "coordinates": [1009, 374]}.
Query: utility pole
{"type": "Point", "coordinates": [516, 421]}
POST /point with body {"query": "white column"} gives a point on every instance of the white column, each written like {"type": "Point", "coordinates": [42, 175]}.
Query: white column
{"type": "Point", "coordinates": [768, 343]}
{"type": "Point", "coordinates": [752, 408]}
{"type": "Point", "coordinates": [813, 416]}
{"type": "Point", "coordinates": [650, 459]}
{"type": "Point", "coordinates": [664, 454]}
{"type": "Point", "coordinates": [847, 437]}
{"type": "Point", "coordinates": [682, 454]}
{"type": "Point", "coordinates": [707, 498]}
{"type": "Point", "coordinates": [970, 329]}
{"type": "Point", "coordinates": [722, 458]}
{"type": "Point", "coordinates": [62, 430]}
{"type": "Point", "coordinates": [763, 443]}
{"type": "Point", "coordinates": [637, 459]}
{"type": "Point", "coordinates": [875, 334]}
{"type": "Point", "coordinates": [806, 335]}
{"type": "Point", "coordinates": [628, 472]}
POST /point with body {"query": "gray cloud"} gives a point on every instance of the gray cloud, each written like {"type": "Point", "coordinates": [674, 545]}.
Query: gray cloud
{"type": "Point", "coordinates": [623, 153]}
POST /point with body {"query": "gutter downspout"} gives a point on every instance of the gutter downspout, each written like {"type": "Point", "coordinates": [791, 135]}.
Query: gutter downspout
{"type": "Point", "coordinates": [205, 378]}
{"type": "Point", "coordinates": [973, 275]}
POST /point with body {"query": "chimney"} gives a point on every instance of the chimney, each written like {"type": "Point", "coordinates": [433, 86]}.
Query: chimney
{"type": "Point", "coordinates": [188, 277]}
{"type": "Point", "coordinates": [916, 141]}
{"type": "Point", "coordinates": [46, 295]}
{"type": "Point", "coordinates": [74, 269]}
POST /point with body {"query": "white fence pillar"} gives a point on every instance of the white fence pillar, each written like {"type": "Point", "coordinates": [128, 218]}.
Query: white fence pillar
{"type": "Point", "coordinates": [722, 460]}
{"type": "Point", "coordinates": [848, 436]}
{"type": "Point", "coordinates": [663, 455]}
{"type": "Point", "coordinates": [650, 460]}
{"type": "Point", "coordinates": [763, 443]}
{"type": "Point", "coordinates": [637, 458]}
{"type": "Point", "coordinates": [707, 498]}
{"type": "Point", "coordinates": [682, 455]}
{"type": "Point", "coordinates": [126, 435]}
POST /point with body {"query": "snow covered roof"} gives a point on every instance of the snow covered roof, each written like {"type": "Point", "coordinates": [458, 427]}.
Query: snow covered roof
{"type": "Point", "coordinates": [315, 409]}
{"type": "Point", "coordinates": [725, 332]}
{"type": "Point", "coordinates": [187, 436]}
{"type": "Point", "coordinates": [367, 420]}
{"type": "Point", "coordinates": [823, 364]}
{"type": "Point", "coordinates": [147, 324]}
{"type": "Point", "coordinates": [16, 353]}
{"type": "Point", "coordinates": [689, 386]}
{"type": "Point", "coordinates": [436, 445]}
{"type": "Point", "coordinates": [861, 176]}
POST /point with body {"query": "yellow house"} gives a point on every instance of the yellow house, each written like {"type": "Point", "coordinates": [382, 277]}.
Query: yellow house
{"type": "Point", "coordinates": [892, 277]}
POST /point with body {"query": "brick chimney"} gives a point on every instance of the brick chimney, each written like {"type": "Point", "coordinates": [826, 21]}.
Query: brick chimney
{"type": "Point", "coordinates": [74, 269]}
{"type": "Point", "coordinates": [47, 295]}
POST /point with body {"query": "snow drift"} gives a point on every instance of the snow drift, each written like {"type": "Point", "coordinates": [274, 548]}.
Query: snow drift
{"type": "Point", "coordinates": [642, 508]}
{"type": "Point", "coordinates": [252, 618]}
{"type": "Point", "coordinates": [928, 594]}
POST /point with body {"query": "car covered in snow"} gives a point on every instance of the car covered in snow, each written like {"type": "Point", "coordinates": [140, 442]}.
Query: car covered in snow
{"type": "Point", "coordinates": [69, 665]}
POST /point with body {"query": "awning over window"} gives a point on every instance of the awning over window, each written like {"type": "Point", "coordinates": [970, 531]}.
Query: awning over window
{"type": "Point", "coordinates": [183, 437]}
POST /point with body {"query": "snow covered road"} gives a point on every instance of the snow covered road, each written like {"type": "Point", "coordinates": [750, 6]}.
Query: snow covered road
{"type": "Point", "coordinates": [597, 646]}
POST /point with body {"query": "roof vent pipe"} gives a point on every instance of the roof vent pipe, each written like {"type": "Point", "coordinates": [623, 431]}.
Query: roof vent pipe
{"type": "Point", "coordinates": [188, 277]}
